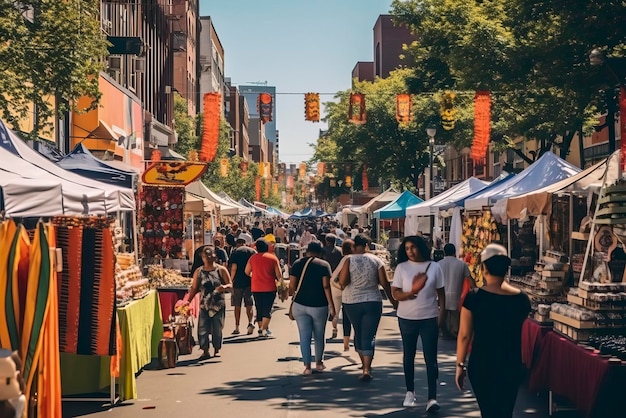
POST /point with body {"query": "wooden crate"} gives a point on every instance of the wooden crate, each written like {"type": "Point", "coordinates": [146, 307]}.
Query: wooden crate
{"type": "Point", "coordinates": [575, 323]}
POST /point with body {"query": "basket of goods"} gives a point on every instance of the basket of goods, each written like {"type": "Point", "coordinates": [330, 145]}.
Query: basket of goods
{"type": "Point", "coordinates": [163, 278]}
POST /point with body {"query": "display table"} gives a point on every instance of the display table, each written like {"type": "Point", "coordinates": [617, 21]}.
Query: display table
{"type": "Point", "coordinates": [532, 337]}
{"type": "Point", "coordinates": [584, 378]}
{"type": "Point", "coordinates": [168, 299]}
{"type": "Point", "coordinates": [141, 329]}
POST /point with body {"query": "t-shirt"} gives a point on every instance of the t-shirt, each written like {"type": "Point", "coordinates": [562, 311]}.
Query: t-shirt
{"type": "Point", "coordinates": [256, 233]}
{"type": "Point", "coordinates": [363, 286]}
{"type": "Point", "coordinates": [497, 321]}
{"type": "Point", "coordinates": [231, 237]}
{"type": "Point", "coordinates": [424, 306]}
{"type": "Point", "coordinates": [222, 257]}
{"type": "Point", "coordinates": [454, 273]}
{"type": "Point", "coordinates": [333, 255]}
{"type": "Point", "coordinates": [240, 257]}
{"type": "Point", "coordinates": [311, 291]}
{"type": "Point", "coordinates": [263, 272]}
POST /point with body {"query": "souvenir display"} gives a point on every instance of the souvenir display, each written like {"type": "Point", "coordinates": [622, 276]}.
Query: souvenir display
{"type": "Point", "coordinates": [478, 230]}
{"type": "Point", "coordinates": [160, 278]}
{"type": "Point", "coordinates": [162, 224]}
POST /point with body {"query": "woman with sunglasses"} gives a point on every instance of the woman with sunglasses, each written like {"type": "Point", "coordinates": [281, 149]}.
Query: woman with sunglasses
{"type": "Point", "coordinates": [211, 280]}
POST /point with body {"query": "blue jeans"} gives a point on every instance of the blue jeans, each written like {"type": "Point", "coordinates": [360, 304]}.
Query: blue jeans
{"type": "Point", "coordinates": [311, 321]}
{"type": "Point", "coordinates": [210, 326]}
{"type": "Point", "coordinates": [429, 331]}
{"type": "Point", "coordinates": [365, 317]}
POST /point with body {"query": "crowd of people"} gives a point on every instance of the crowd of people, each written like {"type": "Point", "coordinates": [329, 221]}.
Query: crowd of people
{"type": "Point", "coordinates": [338, 276]}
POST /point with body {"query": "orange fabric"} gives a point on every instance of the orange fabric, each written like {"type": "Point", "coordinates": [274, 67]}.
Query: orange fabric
{"type": "Point", "coordinates": [482, 125]}
{"type": "Point", "coordinates": [212, 105]}
{"type": "Point", "coordinates": [49, 381]}
{"type": "Point", "coordinates": [263, 272]}
{"type": "Point", "coordinates": [116, 359]}
{"type": "Point", "coordinates": [257, 188]}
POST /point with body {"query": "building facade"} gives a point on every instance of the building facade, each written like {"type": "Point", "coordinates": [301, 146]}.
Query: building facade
{"type": "Point", "coordinates": [363, 71]}
{"type": "Point", "coordinates": [211, 60]}
{"type": "Point", "coordinates": [185, 32]}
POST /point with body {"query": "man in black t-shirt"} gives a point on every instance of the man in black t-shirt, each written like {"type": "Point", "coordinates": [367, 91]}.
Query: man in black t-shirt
{"type": "Point", "coordinates": [256, 232]}
{"type": "Point", "coordinates": [332, 254]}
{"type": "Point", "coordinates": [241, 291]}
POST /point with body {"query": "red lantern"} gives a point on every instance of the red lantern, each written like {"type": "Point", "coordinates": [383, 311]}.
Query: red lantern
{"type": "Point", "coordinates": [356, 112]}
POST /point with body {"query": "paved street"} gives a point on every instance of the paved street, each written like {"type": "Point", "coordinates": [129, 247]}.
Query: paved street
{"type": "Point", "coordinates": [262, 378]}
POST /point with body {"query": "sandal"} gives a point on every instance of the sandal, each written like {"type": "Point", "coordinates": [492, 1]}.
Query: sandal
{"type": "Point", "coordinates": [307, 371]}
{"type": "Point", "coordinates": [365, 377]}
{"type": "Point", "coordinates": [334, 333]}
{"type": "Point", "coordinates": [320, 367]}
{"type": "Point", "coordinates": [204, 356]}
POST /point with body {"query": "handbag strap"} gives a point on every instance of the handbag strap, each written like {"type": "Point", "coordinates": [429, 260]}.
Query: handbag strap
{"type": "Point", "coordinates": [302, 276]}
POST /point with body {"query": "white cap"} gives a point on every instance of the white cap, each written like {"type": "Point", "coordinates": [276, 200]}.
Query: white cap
{"type": "Point", "coordinates": [492, 250]}
{"type": "Point", "coordinates": [245, 238]}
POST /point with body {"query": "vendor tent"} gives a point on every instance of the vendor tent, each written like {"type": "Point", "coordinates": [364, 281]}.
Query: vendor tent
{"type": "Point", "coordinates": [379, 201]}
{"type": "Point", "coordinates": [397, 208]}
{"type": "Point", "coordinates": [78, 189]}
{"type": "Point", "coordinates": [197, 204]}
{"type": "Point", "coordinates": [539, 202]}
{"type": "Point", "coordinates": [83, 162]}
{"type": "Point", "coordinates": [431, 206]}
{"type": "Point", "coordinates": [277, 212]}
{"type": "Point", "coordinates": [545, 171]}
{"type": "Point", "coordinates": [460, 201]}
{"type": "Point", "coordinates": [227, 209]}
{"type": "Point", "coordinates": [20, 180]}
{"type": "Point", "coordinates": [258, 211]}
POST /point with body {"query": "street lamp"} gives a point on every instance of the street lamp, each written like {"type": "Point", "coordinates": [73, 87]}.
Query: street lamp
{"type": "Point", "coordinates": [431, 131]}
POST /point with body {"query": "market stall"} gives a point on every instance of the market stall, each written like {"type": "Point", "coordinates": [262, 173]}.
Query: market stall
{"type": "Point", "coordinates": [227, 209]}
{"type": "Point", "coordinates": [376, 203]}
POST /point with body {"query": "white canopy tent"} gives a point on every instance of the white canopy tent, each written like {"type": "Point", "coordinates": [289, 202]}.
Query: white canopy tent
{"type": "Point", "coordinates": [76, 199]}
{"type": "Point", "coordinates": [27, 198]}
{"type": "Point", "coordinates": [418, 216]}
{"type": "Point", "coordinates": [227, 209]}
{"type": "Point", "coordinates": [116, 199]}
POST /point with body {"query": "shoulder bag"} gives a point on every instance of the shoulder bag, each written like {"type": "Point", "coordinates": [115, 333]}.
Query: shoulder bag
{"type": "Point", "coordinates": [298, 288]}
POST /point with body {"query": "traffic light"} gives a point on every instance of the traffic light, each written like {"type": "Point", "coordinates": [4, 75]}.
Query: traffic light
{"type": "Point", "coordinates": [312, 107]}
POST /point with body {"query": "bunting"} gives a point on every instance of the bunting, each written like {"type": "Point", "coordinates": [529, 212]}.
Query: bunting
{"type": "Point", "coordinates": [212, 106]}
{"type": "Point", "coordinates": [404, 109]}
{"type": "Point", "coordinates": [264, 106]}
{"type": "Point", "coordinates": [482, 125]}
{"type": "Point", "coordinates": [312, 107]}
{"type": "Point", "coordinates": [224, 167]}
{"type": "Point", "coordinates": [356, 112]}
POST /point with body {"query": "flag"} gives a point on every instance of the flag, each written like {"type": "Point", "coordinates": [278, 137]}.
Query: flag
{"type": "Point", "coordinates": [212, 105]}
{"type": "Point", "coordinates": [356, 112]}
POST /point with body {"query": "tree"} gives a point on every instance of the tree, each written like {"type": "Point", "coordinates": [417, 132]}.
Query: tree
{"type": "Point", "coordinates": [533, 56]}
{"type": "Point", "coordinates": [185, 127]}
{"type": "Point", "coordinates": [392, 152]}
{"type": "Point", "coordinates": [50, 54]}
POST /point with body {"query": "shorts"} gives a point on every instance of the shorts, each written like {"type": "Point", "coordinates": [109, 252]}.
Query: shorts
{"type": "Point", "coordinates": [241, 294]}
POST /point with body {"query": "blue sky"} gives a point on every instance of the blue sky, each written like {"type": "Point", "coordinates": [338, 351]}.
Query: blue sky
{"type": "Point", "coordinates": [298, 46]}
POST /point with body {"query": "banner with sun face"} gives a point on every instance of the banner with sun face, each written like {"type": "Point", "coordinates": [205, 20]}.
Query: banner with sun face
{"type": "Point", "coordinates": [404, 109]}
{"type": "Point", "coordinates": [312, 107]}
{"type": "Point", "coordinates": [356, 112]}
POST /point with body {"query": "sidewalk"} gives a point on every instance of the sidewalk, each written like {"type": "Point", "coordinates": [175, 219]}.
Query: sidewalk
{"type": "Point", "coordinates": [262, 378]}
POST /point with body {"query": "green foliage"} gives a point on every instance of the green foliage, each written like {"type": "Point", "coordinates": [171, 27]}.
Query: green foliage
{"type": "Point", "coordinates": [59, 55]}
{"type": "Point", "coordinates": [532, 56]}
{"type": "Point", "coordinates": [185, 127]}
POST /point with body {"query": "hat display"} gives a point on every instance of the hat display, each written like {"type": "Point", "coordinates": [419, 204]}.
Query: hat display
{"type": "Point", "coordinates": [492, 250]}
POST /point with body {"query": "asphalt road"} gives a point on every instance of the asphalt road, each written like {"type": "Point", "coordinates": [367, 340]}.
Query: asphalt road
{"type": "Point", "coordinates": [262, 378]}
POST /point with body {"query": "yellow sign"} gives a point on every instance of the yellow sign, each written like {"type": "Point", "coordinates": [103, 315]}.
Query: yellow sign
{"type": "Point", "coordinates": [173, 173]}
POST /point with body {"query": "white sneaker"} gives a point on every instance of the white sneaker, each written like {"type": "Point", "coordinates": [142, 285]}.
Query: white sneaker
{"type": "Point", "coordinates": [409, 399]}
{"type": "Point", "coordinates": [432, 405]}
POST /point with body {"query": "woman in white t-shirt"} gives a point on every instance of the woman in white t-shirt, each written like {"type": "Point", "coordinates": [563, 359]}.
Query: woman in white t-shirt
{"type": "Point", "coordinates": [418, 287]}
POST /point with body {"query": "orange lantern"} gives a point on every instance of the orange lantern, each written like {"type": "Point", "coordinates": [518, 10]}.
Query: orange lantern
{"type": "Point", "coordinates": [403, 108]}
{"type": "Point", "coordinates": [348, 182]}
{"type": "Point", "coordinates": [356, 112]}
{"type": "Point", "coordinates": [257, 187]}
{"type": "Point", "coordinates": [155, 155]}
{"type": "Point", "coordinates": [302, 170]}
{"type": "Point", "coordinates": [482, 125]}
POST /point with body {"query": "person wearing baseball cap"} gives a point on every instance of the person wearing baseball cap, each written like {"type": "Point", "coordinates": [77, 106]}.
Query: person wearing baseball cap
{"type": "Point", "coordinates": [491, 319]}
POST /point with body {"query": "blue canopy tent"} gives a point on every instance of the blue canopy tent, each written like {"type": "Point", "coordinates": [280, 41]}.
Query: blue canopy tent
{"type": "Point", "coordinates": [276, 212]}
{"type": "Point", "coordinates": [545, 171]}
{"type": "Point", "coordinates": [257, 210]}
{"type": "Point", "coordinates": [81, 161]}
{"type": "Point", "coordinates": [397, 208]}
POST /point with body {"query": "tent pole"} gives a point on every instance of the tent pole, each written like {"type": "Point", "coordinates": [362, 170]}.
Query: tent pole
{"type": "Point", "coordinates": [508, 238]}
{"type": "Point", "coordinates": [571, 225]}
{"type": "Point", "coordinates": [541, 232]}
{"type": "Point", "coordinates": [135, 237]}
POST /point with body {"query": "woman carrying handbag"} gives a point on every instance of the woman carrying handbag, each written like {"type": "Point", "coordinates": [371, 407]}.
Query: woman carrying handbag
{"type": "Point", "coordinates": [309, 283]}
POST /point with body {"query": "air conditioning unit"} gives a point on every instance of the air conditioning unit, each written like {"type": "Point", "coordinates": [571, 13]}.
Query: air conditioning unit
{"type": "Point", "coordinates": [140, 65]}
{"type": "Point", "coordinates": [115, 63]}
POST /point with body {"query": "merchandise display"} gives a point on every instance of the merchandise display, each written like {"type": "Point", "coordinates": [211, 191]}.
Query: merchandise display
{"type": "Point", "coordinates": [161, 222]}
{"type": "Point", "coordinates": [160, 277]}
{"type": "Point", "coordinates": [129, 283]}
{"type": "Point", "coordinates": [479, 229]}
